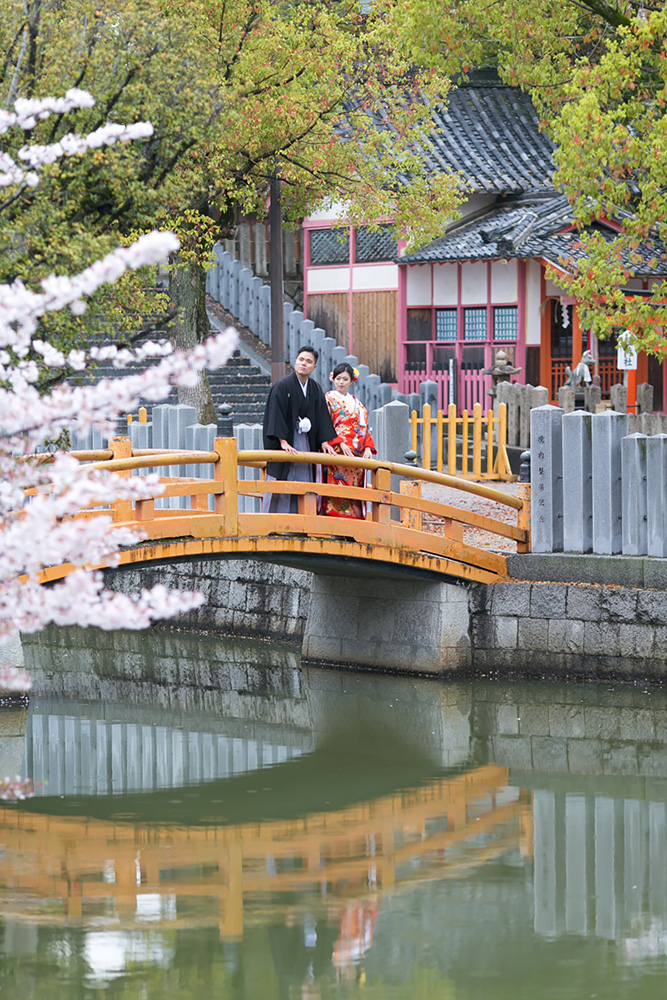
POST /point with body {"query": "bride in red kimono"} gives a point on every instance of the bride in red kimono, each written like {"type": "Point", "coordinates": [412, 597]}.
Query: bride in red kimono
{"type": "Point", "coordinates": [350, 419]}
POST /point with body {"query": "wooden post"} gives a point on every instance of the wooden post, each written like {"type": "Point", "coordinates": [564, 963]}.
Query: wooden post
{"type": "Point", "coordinates": [452, 423]}
{"type": "Point", "coordinates": [477, 441]}
{"type": "Point", "coordinates": [426, 436]}
{"type": "Point", "coordinates": [143, 415]}
{"type": "Point", "coordinates": [226, 472]}
{"type": "Point", "coordinates": [121, 448]}
{"type": "Point", "coordinates": [439, 430]}
{"type": "Point", "coordinates": [523, 516]}
{"type": "Point", "coordinates": [464, 446]}
{"type": "Point", "coordinates": [306, 504]}
{"type": "Point", "coordinates": [382, 482]}
{"type": "Point", "coordinates": [489, 442]}
{"type": "Point", "coordinates": [414, 420]}
{"type": "Point", "coordinates": [411, 518]}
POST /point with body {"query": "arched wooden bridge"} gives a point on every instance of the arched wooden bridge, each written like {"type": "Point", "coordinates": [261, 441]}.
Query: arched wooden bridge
{"type": "Point", "coordinates": [176, 534]}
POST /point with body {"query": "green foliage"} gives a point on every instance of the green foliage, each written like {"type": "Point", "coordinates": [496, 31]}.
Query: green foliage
{"type": "Point", "coordinates": [236, 90]}
{"type": "Point", "coordinates": [596, 71]}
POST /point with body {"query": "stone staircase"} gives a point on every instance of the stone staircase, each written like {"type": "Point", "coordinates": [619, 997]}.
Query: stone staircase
{"type": "Point", "coordinates": [239, 383]}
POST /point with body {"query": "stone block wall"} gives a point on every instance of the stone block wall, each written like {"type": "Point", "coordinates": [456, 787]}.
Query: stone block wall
{"type": "Point", "coordinates": [243, 596]}
{"type": "Point", "coordinates": [557, 629]}
{"type": "Point", "coordinates": [402, 625]}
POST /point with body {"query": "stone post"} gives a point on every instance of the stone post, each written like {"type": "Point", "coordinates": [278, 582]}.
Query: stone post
{"type": "Point", "coordinates": [546, 434]}
{"type": "Point", "coordinates": [235, 271]}
{"type": "Point", "coordinates": [265, 314]}
{"type": "Point", "coordinates": [532, 396]}
{"type": "Point", "coordinates": [592, 398]}
{"type": "Point", "coordinates": [645, 398]}
{"type": "Point", "coordinates": [428, 390]}
{"type": "Point", "coordinates": [304, 337]}
{"type": "Point", "coordinates": [513, 415]}
{"type": "Point", "coordinates": [360, 387]}
{"type": "Point", "coordinates": [608, 430]}
{"type": "Point", "coordinates": [339, 354]}
{"type": "Point", "coordinates": [325, 366]}
{"type": "Point", "coordinates": [577, 482]}
{"type": "Point", "coordinates": [256, 286]}
{"type": "Point", "coordinates": [245, 279]}
{"type": "Point", "coordinates": [392, 438]}
{"type": "Point", "coordinates": [566, 398]}
{"type": "Point", "coordinates": [619, 398]}
{"type": "Point", "coordinates": [179, 417]}
{"type": "Point", "coordinates": [243, 236]}
{"type": "Point", "coordinates": [293, 336]}
{"type": "Point", "coordinates": [633, 494]}
{"type": "Point", "coordinates": [225, 264]}
{"type": "Point", "coordinates": [656, 494]}
{"type": "Point", "coordinates": [259, 239]}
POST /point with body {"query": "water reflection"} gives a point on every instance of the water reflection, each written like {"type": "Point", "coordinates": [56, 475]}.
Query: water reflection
{"type": "Point", "coordinates": [326, 834]}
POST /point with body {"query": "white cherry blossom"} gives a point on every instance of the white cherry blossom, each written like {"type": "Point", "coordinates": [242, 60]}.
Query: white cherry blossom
{"type": "Point", "coordinates": [40, 498]}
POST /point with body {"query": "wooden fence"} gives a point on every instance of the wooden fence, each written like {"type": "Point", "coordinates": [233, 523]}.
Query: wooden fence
{"type": "Point", "coordinates": [474, 430]}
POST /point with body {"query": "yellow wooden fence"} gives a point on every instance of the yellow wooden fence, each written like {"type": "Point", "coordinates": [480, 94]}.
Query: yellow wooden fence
{"type": "Point", "coordinates": [474, 429]}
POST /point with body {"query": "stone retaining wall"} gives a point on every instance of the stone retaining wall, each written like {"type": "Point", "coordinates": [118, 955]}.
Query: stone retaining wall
{"type": "Point", "coordinates": [538, 629]}
{"type": "Point", "coordinates": [559, 629]}
{"type": "Point", "coordinates": [243, 596]}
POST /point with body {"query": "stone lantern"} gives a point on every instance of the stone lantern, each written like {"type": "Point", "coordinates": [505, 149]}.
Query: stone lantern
{"type": "Point", "coordinates": [500, 371]}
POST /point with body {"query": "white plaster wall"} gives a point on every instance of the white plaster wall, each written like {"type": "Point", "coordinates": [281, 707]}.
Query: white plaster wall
{"type": "Point", "coordinates": [419, 285]}
{"type": "Point", "coordinates": [329, 211]}
{"type": "Point", "coordinates": [328, 279]}
{"type": "Point", "coordinates": [504, 281]}
{"type": "Point", "coordinates": [473, 284]}
{"type": "Point", "coordinates": [375, 276]}
{"type": "Point", "coordinates": [533, 293]}
{"type": "Point", "coordinates": [553, 289]}
{"type": "Point", "coordinates": [445, 284]}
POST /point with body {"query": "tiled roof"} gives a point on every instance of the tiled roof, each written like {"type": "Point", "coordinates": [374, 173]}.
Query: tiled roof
{"type": "Point", "coordinates": [525, 226]}
{"type": "Point", "coordinates": [507, 229]}
{"type": "Point", "coordinates": [489, 132]}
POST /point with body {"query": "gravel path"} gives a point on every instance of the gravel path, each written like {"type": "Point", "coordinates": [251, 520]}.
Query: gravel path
{"type": "Point", "coordinates": [466, 501]}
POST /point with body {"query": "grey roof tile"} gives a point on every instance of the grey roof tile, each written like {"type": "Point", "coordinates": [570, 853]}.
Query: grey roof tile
{"type": "Point", "coordinates": [528, 225]}
{"type": "Point", "coordinates": [490, 133]}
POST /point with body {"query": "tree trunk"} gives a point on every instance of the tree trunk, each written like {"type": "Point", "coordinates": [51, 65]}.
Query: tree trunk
{"type": "Point", "coordinates": [187, 289]}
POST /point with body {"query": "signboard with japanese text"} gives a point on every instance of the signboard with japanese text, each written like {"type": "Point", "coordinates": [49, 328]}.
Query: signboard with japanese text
{"type": "Point", "coordinates": [627, 353]}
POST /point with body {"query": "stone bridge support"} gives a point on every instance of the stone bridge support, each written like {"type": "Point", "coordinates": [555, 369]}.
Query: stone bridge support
{"type": "Point", "coordinates": [396, 624]}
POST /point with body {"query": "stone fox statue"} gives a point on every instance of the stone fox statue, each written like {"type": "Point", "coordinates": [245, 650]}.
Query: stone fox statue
{"type": "Point", "coordinates": [582, 373]}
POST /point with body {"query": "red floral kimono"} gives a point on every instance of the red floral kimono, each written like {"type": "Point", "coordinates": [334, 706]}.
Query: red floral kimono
{"type": "Point", "coordinates": [350, 418]}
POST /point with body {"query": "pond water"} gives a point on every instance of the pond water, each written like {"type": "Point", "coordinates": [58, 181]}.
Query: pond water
{"type": "Point", "coordinates": [216, 820]}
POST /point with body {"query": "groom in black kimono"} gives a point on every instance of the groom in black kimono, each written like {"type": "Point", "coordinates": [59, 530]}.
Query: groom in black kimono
{"type": "Point", "coordinates": [296, 419]}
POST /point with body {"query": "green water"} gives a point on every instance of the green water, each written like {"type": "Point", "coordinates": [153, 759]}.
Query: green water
{"type": "Point", "coordinates": [216, 821]}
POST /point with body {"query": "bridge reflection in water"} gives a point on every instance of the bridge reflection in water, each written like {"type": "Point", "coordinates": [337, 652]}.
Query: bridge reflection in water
{"type": "Point", "coordinates": [119, 870]}
{"type": "Point", "coordinates": [547, 841]}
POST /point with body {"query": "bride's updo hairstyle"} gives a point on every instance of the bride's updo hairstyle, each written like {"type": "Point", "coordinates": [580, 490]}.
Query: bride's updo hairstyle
{"type": "Point", "coordinates": [344, 367]}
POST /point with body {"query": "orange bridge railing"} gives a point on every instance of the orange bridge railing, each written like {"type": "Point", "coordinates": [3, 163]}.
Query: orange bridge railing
{"type": "Point", "coordinates": [393, 530]}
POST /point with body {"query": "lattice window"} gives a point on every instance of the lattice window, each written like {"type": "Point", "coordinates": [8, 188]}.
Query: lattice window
{"type": "Point", "coordinates": [446, 324]}
{"type": "Point", "coordinates": [505, 323]}
{"type": "Point", "coordinates": [474, 324]}
{"type": "Point", "coordinates": [329, 246]}
{"type": "Point", "coordinates": [374, 246]}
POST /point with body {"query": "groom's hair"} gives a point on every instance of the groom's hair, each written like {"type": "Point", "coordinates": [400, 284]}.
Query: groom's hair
{"type": "Point", "coordinates": [308, 349]}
